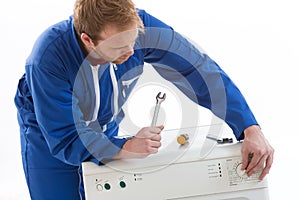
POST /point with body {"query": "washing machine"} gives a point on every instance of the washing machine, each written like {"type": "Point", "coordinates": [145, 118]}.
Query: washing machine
{"type": "Point", "coordinates": [201, 169]}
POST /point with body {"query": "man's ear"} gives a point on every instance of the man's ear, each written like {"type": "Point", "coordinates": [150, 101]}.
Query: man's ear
{"type": "Point", "coordinates": [87, 41]}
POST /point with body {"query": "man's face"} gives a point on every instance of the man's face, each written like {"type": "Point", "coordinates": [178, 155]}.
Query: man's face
{"type": "Point", "coordinates": [116, 46]}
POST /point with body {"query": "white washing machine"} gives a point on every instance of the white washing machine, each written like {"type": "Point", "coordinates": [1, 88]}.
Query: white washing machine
{"type": "Point", "coordinates": [202, 169]}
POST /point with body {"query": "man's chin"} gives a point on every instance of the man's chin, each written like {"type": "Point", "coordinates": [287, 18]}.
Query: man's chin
{"type": "Point", "coordinates": [119, 61]}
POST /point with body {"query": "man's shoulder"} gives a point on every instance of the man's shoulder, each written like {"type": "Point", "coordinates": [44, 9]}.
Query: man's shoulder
{"type": "Point", "coordinates": [55, 32]}
{"type": "Point", "coordinates": [52, 39]}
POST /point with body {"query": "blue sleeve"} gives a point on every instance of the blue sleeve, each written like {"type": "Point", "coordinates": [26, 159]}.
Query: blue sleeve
{"type": "Point", "coordinates": [60, 119]}
{"type": "Point", "coordinates": [195, 74]}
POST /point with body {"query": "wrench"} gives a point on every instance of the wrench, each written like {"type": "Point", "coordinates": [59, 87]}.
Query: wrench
{"type": "Point", "coordinates": [159, 100]}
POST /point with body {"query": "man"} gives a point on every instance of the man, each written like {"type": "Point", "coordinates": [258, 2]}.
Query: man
{"type": "Point", "coordinates": [80, 73]}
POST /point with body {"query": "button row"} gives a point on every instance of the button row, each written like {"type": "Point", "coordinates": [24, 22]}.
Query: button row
{"type": "Point", "coordinates": [107, 186]}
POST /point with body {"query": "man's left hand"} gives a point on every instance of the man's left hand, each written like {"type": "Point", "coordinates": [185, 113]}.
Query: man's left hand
{"type": "Point", "coordinates": [257, 153]}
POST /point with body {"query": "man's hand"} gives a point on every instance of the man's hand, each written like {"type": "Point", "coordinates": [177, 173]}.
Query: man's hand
{"type": "Point", "coordinates": [146, 142]}
{"type": "Point", "coordinates": [257, 153]}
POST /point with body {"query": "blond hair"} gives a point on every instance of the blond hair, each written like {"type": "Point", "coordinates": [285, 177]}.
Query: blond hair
{"type": "Point", "coordinates": [92, 16]}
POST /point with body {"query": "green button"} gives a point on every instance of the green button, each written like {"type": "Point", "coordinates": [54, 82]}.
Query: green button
{"type": "Point", "coordinates": [122, 184]}
{"type": "Point", "coordinates": [107, 186]}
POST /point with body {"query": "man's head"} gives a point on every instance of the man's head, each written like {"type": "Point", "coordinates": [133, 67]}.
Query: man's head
{"type": "Point", "coordinates": [107, 28]}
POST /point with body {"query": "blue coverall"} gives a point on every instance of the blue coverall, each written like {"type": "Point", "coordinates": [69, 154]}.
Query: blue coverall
{"type": "Point", "coordinates": [56, 101]}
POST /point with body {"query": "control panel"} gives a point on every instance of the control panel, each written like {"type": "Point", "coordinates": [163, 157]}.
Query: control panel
{"type": "Point", "coordinates": [198, 169]}
{"type": "Point", "coordinates": [177, 180]}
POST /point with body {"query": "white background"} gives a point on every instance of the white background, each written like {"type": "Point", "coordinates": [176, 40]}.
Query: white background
{"type": "Point", "coordinates": [256, 42]}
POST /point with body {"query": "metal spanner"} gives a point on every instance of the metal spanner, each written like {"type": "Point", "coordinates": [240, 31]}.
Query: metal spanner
{"type": "Point", "coordinates": [159, 100]}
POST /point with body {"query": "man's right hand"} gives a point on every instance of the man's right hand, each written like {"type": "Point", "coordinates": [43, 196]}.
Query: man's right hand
{"type": "Point", "coordinates": [146, 142]}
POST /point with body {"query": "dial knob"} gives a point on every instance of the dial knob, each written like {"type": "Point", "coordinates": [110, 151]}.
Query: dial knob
{"type": "Point", "coordinates": [241, 173]}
